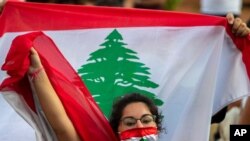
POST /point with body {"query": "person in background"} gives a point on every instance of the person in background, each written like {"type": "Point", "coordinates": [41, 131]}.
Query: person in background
{"type": "Point", "coordinates": [232, 117]}
{"type": "Point", "coordinates": [238, 113]}
{"type": "Point", "coordinates": [245, 113]}
{"type": "Point", "coordinates": [221, 7]}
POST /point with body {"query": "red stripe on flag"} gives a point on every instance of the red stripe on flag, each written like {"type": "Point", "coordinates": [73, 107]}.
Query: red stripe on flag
{"type": "Point", "coordinates": [36, 17]}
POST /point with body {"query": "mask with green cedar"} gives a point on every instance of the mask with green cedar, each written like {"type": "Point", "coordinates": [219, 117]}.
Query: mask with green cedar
{"type": "Point", "coordinates": [140, 134]}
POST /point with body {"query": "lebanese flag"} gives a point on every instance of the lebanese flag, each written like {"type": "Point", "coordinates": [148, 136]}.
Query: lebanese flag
{"type": "Point", "coordinates": [190, 65]}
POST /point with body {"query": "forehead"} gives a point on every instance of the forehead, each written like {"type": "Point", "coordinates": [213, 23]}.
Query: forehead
{"type": "Point", "coordinates": [135, 109]}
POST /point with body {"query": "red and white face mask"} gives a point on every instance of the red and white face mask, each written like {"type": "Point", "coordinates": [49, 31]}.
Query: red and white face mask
{"type": "Point", "coordinates": [140, 134]}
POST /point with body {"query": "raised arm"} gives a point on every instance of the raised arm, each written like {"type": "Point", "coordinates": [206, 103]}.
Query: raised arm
{"type": "Point", "coordinates": [239, 28]}
{"type": "Point", "coordinates": [50, 103]}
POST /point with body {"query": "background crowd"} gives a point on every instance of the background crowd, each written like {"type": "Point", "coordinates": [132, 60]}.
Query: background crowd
{"type": "Point", "coordinates": [234, 113]}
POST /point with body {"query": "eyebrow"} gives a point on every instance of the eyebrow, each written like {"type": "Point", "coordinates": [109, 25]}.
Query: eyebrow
{"type": "Point", "coordinates": [134, 117]}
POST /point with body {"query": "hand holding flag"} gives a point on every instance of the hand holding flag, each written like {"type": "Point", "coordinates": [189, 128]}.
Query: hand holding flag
{"type": "Point", "coordinates": [239, 28]}
{"type": "Point", "coordinates": [35, 62]}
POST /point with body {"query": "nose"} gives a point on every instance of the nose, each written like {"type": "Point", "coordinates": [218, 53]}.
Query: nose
{"type": "Point", "coordinates": [139, 124]}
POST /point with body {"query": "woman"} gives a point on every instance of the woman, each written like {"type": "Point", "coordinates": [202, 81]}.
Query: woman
{"type": "Point", "coordinates": [129, 114]}
{"type": "Point", "coordinates": [135, 111]}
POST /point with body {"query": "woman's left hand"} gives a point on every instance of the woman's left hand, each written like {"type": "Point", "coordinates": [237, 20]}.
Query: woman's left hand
{"type": "Point", "coordinates": [239, 28]}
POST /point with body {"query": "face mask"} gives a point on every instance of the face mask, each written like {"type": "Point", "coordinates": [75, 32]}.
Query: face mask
{"type": "Point", "coordinates": [140, 134]}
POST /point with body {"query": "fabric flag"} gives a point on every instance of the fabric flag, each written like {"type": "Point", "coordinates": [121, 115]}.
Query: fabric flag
{"type": "Point", "coordinates": [190, 65]}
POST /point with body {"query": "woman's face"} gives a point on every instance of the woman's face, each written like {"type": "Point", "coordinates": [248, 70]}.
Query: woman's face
{"type": "Point", "coordinates": [131, 115]}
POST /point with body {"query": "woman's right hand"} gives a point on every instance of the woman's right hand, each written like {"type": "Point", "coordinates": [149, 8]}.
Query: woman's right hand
{"type": "Point", "coordinates": [35, 62]}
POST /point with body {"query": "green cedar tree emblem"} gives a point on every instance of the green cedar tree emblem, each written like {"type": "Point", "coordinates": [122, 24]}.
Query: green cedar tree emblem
{"type": "Point", "coordinates": [114, 70]}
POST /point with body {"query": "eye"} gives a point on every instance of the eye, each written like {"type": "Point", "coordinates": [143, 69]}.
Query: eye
{"type": "Point", "coordinates": [129, 121]}
{"type": "Point", "coordinates": [147, 119]}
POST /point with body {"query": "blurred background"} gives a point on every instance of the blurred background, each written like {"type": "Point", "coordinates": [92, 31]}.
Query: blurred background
{"type": "Point", "coordinates": [240, 8]}
{"type": "Point", "coordinates": [194, 6]}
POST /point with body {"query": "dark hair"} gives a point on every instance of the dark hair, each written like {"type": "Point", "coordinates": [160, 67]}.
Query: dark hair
{"type": "Point", "coordinates": [120, 104]}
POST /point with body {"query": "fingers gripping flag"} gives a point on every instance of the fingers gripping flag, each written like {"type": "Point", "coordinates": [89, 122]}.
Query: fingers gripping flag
{"type": "Point", "coordinates": [190, 65]}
